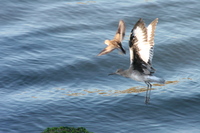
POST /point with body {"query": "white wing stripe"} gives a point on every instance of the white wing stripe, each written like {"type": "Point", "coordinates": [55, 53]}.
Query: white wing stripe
{"type": "Point", "coordinates": [131, 55]}
{"type": "Point", "coordinates": [149, 32]}
{"type": "Point", "coordinates": [144, 52]}
{"type": "Point", "coordinates": [143, 46]}
{"type": "Point", "coordinates": [140, 35]}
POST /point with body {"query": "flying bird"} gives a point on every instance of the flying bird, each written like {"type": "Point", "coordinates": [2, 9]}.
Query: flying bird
{"type": "Point", "coordinates": [141, 46]}
{"type": "Point", "coordinates": [116, 43]}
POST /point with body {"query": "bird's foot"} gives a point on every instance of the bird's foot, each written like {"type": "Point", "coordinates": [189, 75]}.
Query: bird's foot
{"type": "Point", "coordinates": [147, 100]}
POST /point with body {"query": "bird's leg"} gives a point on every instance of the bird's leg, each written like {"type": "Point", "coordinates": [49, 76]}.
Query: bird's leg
{"type": "Point", "coordinates": [148, 92]}
{"type": "Point", "coordinates": [147, 98]}
{"type": "Point", "coordinates": [150, 86]}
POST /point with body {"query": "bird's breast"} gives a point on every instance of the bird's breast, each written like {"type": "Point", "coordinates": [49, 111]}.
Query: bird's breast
{"type": "Point", "coordinates": [139, 77]}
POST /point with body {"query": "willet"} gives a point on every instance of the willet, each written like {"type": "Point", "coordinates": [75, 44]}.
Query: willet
{"type": "Point", "coordinates": [141, 45]}
{"type": "Point", "coordinates": [116, 42]}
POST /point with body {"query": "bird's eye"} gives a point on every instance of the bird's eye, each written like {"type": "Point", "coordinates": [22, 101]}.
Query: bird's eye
{"type": "Point", "coordinates": [119, 70]}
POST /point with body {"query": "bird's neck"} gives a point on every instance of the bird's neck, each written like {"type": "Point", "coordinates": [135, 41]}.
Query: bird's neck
{"type": "Point", "coordinates": [126, 73]}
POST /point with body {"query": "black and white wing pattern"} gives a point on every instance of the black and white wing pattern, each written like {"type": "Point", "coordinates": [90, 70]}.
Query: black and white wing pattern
{"type": "Point", "coordinates": [141, 46]}
{"type": "Point", "coordinates": [151, 32]}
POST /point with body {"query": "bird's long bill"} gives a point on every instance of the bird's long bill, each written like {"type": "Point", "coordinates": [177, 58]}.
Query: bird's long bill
{"type": "Point", "coordinates": [111, 74]}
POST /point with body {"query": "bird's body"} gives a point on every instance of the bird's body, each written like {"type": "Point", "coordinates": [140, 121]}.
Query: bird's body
{"type": "Point", "coordinates": [116, 42]}
{"type": "Point", "coordinates": [141, 46]}
{"type": "Point", "coordinates": [138, 76]}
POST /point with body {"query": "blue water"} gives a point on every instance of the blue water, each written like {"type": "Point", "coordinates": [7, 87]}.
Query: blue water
{"type": "Point", "coordinates": [51, 76]}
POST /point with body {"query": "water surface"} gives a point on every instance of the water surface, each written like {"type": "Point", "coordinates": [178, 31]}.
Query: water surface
{"type": "Point", "coordinates": [51, 76]}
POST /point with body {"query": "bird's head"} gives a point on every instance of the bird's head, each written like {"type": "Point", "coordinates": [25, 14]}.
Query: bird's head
{"type": "Point", "coordinates": [119, 72]}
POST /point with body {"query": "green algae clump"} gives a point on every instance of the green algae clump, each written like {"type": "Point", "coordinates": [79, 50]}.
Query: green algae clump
{"type": "Point", "coordinates": [66, 130]}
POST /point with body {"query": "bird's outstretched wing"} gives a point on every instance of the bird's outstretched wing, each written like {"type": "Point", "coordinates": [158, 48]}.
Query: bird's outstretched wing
{"type": "Point", "coordinates": [107, 50]}
{"type": "Point", "coordinates": [150, 37]}
{"type": "Point", "coordinates": [141, 46]}
{"type": "Point", "coordinates": [119, 36]}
